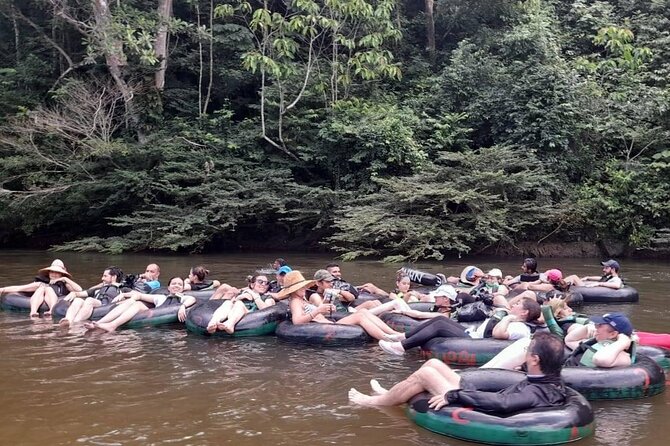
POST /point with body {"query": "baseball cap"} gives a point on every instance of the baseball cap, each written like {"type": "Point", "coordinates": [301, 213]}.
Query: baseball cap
{"type": "Point", "coordinates": [284, 270]}
{"type": "Point", "coordinates": [495, 272]}
{"type": "Point", "coordinates": [324, 274]}
{"type": "Point", "coordinates": [618, 321]}
{"type": "Point", "coordinates": [444, 290]}
{"type": "Point", "coordinates": [554, 275]}
{"type": "Point", "coordinates": [612, 264]}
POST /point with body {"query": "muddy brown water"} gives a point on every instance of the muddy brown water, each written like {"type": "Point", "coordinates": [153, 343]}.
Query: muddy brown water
{"type": "Point", "coordinates": [166, 386]}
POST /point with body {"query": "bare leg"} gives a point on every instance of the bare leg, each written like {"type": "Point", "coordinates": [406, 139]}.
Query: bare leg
{"type": "Point", "coordinates": [72, 311]}
{"type": "Point", "coordinates": [434, 377]}
{"type": "Point", "coordinates": [128, 314]}
{"type": "Point", "coordinates": [236, 313]}
{"type": "Point", "coordinates": [377, 388]}
{"type": "Point", "coordinates": [117, 311]}
{"type": "Point", "coordinates": [36, 300]}
{"type": "Point", "coordinates": [225, 291]}
{"type": "Point", "coordinates": [86, 310]}
{"type": "Point", "coordinates": [368, 323]}
{"type": "Point", "coordinates": [395, 304]}
{"type": "Point", "coordinates": [511, 357]}
{"type": "Point", "coordinates": [379, 323]}
{"type": "Point", "coordinates": [369, 305]}
{"type": "Point", "coordinates": [50, 298]}
{"type": "Point", "coordinates": [219, 315]}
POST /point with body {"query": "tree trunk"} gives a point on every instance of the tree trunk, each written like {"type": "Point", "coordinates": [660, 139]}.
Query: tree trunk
{"type": "Point", "coordinates": [164, 15]}
{"type": "Point", "coordinates": [430, 26]}
{"type": "Point", "coordinates": [115, 60]}
{"type": "Point", "coordinates": [17, 39]}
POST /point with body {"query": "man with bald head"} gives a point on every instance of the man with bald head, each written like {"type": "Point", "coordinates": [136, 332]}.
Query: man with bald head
{"type": "Point", "coordinates": [149, 279]}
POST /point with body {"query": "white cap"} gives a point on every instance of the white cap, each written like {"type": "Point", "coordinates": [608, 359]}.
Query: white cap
{"type": "Point", "coordinates": [495, 272]}
{"type": "Point", "coordinates": [444, 290]}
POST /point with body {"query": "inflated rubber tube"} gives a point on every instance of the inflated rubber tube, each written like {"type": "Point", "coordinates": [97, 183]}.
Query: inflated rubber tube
{"type": "Point", "coordinates": [19, 302]}
{"type": "Point", "coordinates": [365, 297]}
{"type": "Point", "coordinates": [659, 355]}
{"type": "Point", "coordinates": [544, 426]}
{"type": "Point", "coordinates": [329, 335]}
{"type": "Point", "coordinates": [257, 323]}
{"type": "Point", "coordinates": [59, 310]}
{"type": "Point", "coordinates": [163, 315]}
{"type": "Point", "coordinates": [463, 351]}
{"type": "Point", "coordinates": [643, 379]}
{"type": "Point", "coordinates": [607, 295]}
{"type": "Point", "coordinates": [400, 322]}
{"type": "Point", "coordinates": [654, 339]}
{"type": "Point", "coordinates": [421, 277]}
{"type": "Point", "coordinates": [200, 296]}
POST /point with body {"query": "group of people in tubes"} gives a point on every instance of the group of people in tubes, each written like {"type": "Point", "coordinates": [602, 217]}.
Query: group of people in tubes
{"type": "Point", "coordinates": [596, 342]}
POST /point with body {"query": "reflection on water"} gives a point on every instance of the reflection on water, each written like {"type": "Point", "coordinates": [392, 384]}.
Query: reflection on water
{"type": "Point", "coordinates": [163, 385]}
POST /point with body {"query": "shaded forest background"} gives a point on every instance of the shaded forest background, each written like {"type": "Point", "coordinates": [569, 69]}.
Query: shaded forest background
{"type": "Point", "coordinates": [405, 129]}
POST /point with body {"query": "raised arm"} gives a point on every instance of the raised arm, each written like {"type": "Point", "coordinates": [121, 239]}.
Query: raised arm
{"type": "Point", "coordinates": [614, 354]}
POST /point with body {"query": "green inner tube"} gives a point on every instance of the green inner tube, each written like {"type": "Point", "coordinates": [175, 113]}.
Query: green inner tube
{"type": "Point", "coordinates": [570, 422]}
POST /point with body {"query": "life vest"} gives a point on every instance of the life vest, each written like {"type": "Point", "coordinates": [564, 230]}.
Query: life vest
{"type": "Point", "coordinates": [529, 277]}
{"type": "Point", "coordinates": [583, 354]}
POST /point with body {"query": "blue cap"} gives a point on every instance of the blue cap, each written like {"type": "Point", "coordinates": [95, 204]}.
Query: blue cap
{"type": "Point", "coordinates": [617, 321]}
{"type": "Point", "coordinates": [284, 269]}
{"type": "Point", "coordinates": [612, 264]}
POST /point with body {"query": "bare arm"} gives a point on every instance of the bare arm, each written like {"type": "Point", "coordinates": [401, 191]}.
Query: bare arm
{"type": "Point", "coordinates": [500, 329]}
{"type": "Point", "coordinates": [298, 316]}
{"type": "Point", "coordinates": [613, 355]}
{"type": "Point", "coordinates": [416, 314]}
{"type": "Point", "coordinates": [70, 284]}
{"type": "Point", "coordinates": [187, 301]}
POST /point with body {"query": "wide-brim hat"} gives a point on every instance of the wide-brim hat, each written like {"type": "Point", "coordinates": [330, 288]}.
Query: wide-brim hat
{"type": "Point", "coordinates": [469, 273]}
{"type": "Point", "coordinates": [293, 281]}
{"type": "Point", "coordinates": [56, 266]}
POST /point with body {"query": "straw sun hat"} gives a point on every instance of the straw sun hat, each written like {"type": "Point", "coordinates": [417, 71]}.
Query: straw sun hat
{"type": "Point", "coordinates": [56, 266]}
{"type": "Point", "coordinates": [293, 281]}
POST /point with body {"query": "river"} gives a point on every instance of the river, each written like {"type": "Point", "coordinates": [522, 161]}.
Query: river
{"type": "Point", "coordinates": [166, 386]}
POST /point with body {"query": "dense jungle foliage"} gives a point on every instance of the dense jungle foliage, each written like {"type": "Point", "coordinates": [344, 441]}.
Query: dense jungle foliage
{"type": "Point", "coordinates": [400, 129]}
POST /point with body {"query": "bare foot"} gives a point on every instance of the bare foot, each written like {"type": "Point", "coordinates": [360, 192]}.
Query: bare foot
{"type": "Point", "coordinates": [90, 325]}
{"type": "Point", "coordinates": [211, 328]}
{"type": "Point", "coordinates": [359, 398]}
{"type": "Point", "coordinates": [220, 326]}
{"type": "Point", "coordinates": [64, 322]}
{"type": "Point", "coordinates": [377, 388]}
{"type": "Point", "coordinates": [47, 313]}
{"type": "Point", "coordinates": [107, 328]}
{"type": "Point", "coordinates": [34, 315]}
{"type": "Point", "coordinates": [230, 329]}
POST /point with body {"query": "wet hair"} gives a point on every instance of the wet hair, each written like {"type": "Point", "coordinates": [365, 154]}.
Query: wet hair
{"type": "Point", "coordinates": [550, 349]}
{"type": "Point", "coordinates": [531, 264]}
{"type": "Point", "coordinates": [557, 305]}
{"type": "Point", "coordinates": [401, 275]}
{"type": "Point", "coordinates": [116, 272]}
{"type": "Point", "coordinates": [533, 308]}
{"type": "Point", "coordinates": [200, 272]}
{"type": "Point", "coordinates": [175, 277]}
{"type": "Point", "coordinates": [252, 278]}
